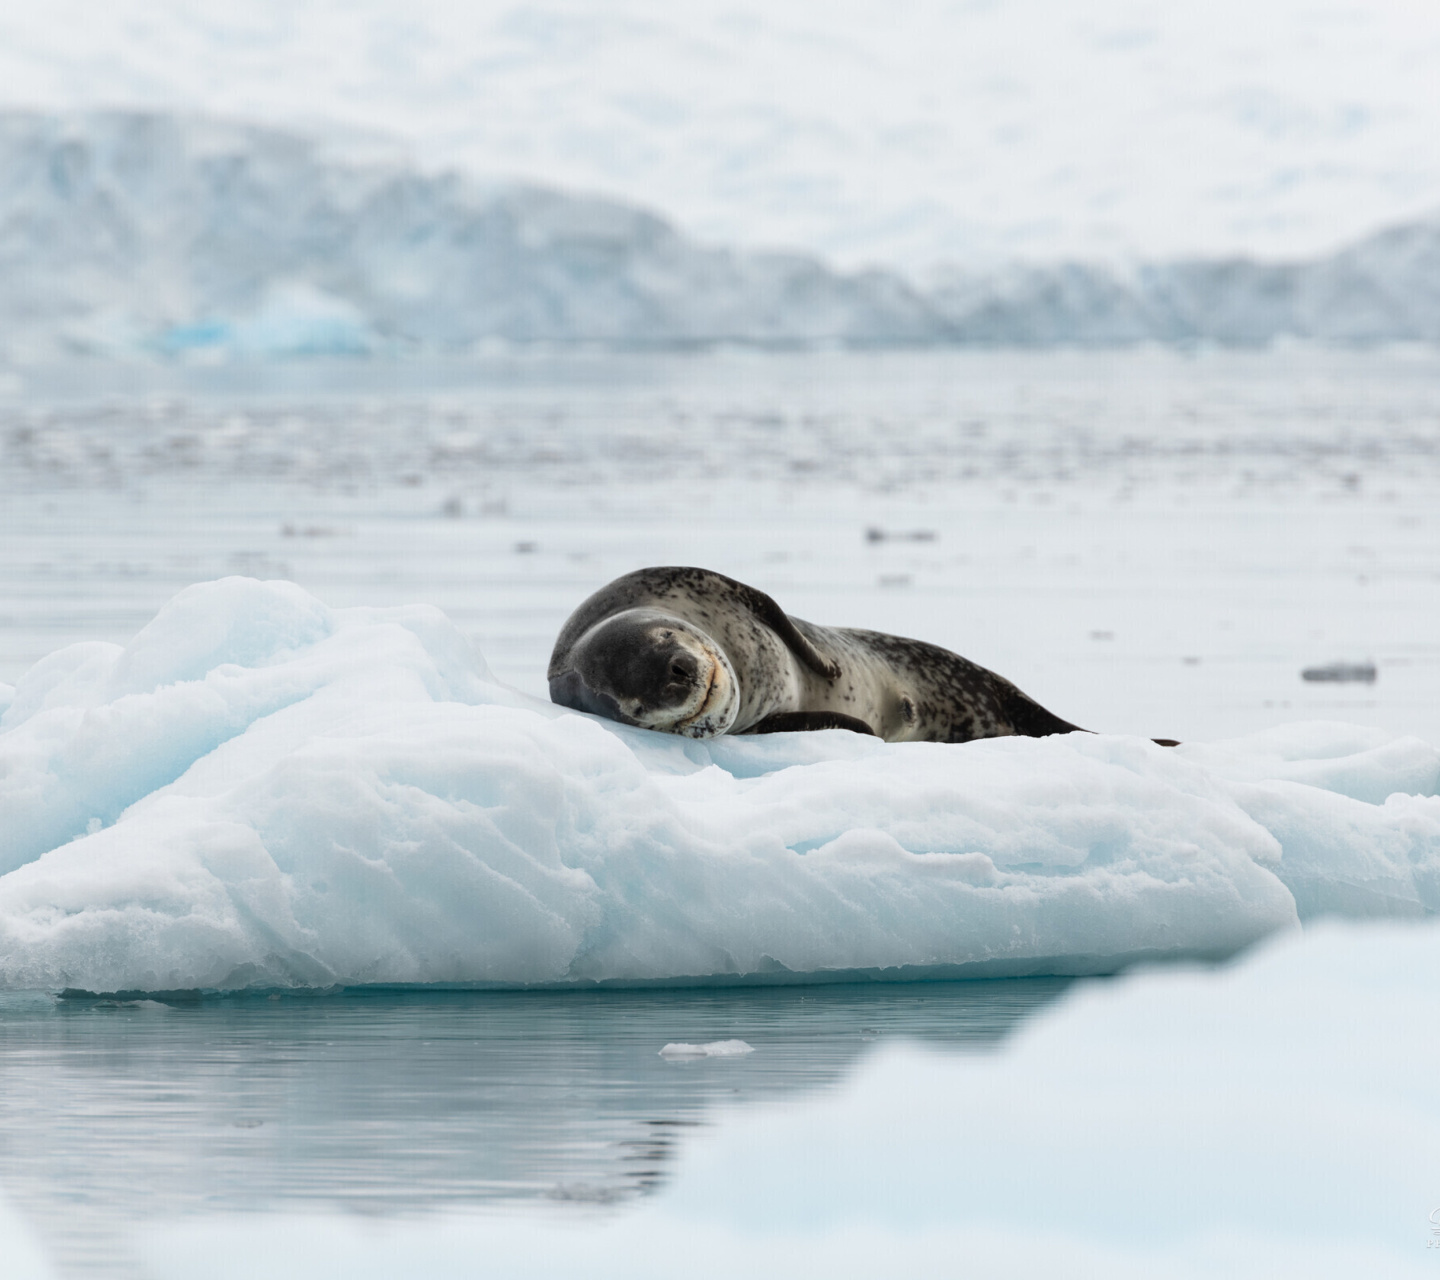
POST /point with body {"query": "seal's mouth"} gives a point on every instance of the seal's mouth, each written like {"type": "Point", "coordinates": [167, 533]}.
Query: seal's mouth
{"type": "Point", "coordinates": [704, 701]}
{"type": "Point", "coordinates": [720, 705]}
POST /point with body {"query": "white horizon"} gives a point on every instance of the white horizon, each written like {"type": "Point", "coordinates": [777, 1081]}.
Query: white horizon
{"type": "Point", "coordinates": [965, 133]}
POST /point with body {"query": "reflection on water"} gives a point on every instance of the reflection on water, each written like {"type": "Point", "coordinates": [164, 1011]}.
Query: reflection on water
{"type": "Point", "coordinates": [117, 1113]}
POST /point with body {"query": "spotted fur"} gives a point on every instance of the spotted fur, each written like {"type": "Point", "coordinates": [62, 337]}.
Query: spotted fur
{"type": "Point", "coordinates": [627, 653]}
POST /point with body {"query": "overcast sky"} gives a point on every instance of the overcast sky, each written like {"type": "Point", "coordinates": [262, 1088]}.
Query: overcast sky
{"type": "Point", "coordinates": [895, 132]}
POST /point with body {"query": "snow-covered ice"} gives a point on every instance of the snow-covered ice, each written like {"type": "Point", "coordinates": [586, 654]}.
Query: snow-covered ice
{"type": "Point", "coordinates": [1274, 1118]}
{"type": "Point", "coordinates": [262, 791]}
{"type": "Point", "coordinates": [23, 1254]}
{"type": "Point", "coordinates": [715, 1049]}
{"type": "Point", "coordinates": [862, 130]}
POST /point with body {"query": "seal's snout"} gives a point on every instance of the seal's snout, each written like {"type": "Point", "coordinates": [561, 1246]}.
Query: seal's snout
{"type": "Point", "coordinates": [684, 669]}
{"type": "Point", "coordinates": [672, 677]}
{"type": "Point", "coordinates": [648, 674]}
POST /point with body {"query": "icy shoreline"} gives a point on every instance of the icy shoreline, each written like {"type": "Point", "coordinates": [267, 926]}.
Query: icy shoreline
{"type": "Point", "coordinates": [261, 792]}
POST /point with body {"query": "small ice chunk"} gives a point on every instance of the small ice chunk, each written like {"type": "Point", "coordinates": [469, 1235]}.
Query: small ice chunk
{"type": "Point", "coordinates": [715, 1049]}
{"type": "Point", "coordinates": [1341, 673]}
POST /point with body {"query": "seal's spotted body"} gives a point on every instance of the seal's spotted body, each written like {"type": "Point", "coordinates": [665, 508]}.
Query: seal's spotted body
{"type": "Point", "coordinates": [693, 652]}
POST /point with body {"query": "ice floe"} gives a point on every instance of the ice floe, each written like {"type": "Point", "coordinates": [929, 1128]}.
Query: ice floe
{"type": "Point", "coordinates": [261, 791]}
{"type": "Point", "coordinates": [715, 1049]}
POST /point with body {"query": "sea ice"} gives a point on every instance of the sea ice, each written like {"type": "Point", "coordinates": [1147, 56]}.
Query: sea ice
{"type": "Point", "coordinates": [23, 1255]}
{"type": "Point", "coordinates": [261, 791]}
{"type": "Point", "coordinates": [715, 1049]}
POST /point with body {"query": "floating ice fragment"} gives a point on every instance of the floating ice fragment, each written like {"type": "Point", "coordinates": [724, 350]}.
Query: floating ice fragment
{"type": "Point", "coordinates": [715, 1049]}
{"type": "Point", "coordinates": [1341, 673]}
{"type": "Point", "coordinates": [876, 534]}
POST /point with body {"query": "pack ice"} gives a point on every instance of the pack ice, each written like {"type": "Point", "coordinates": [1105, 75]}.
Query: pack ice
{"type": "Point", "coordinates": [261, 791]}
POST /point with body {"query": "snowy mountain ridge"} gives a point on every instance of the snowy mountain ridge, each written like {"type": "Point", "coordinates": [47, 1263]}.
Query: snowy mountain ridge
{"type": "Point", "coordinates": [126, 232]}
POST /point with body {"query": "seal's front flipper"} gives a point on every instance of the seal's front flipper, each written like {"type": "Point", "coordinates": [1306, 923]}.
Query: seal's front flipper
{"type": "Point", "coordinates": [804, 721]}
{"type": "Point", "coordinates": [774, 617]}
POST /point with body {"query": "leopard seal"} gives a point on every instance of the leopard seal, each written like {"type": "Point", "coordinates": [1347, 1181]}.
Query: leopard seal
{"type": "Point", "coordinates": [692, 652]}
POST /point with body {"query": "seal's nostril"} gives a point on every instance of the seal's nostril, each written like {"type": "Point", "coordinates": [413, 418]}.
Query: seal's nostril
{"type": "Point", "coordinates": [679, 671]}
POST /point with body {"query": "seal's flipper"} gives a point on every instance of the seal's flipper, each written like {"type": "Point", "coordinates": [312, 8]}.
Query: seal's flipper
{"type": "Point", "coordinates": [1165, 742]}
{"type": "Point", "coordinates": [804, 721]}
{"type": "Point", "coordinates": [774, 617]}
{"type": "Point", "coordinates": [1030, 720]}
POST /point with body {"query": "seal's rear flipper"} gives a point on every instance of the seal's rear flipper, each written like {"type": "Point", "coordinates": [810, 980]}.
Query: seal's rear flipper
{"type": "Point", "coordinates": [1029, 719]}
{"type": "Point", "coordinates": [804, 721]}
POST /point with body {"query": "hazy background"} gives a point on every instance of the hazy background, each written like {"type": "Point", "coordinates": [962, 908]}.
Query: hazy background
{"type": "Point", "coordinates": [903, 135]}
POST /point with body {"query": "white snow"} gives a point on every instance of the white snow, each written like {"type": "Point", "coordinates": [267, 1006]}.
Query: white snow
{"type": "Point", "coordinates": [715, 1049]}
{"type": "Point", "coordinates": [259, 790]}
{"type": "Point", "coordinates": [861, 130]}
{"type": "Point", "coordinates": [24, 1257]}
{"type": "Point", "coordinates": [1272, 1119]}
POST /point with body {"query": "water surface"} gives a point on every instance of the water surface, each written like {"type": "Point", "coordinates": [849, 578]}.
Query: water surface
{"type": "Point", "coordinates": [116, 1115]}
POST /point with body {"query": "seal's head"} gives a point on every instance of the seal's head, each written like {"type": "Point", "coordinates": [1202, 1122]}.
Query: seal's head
{"type": "Point", "coordinates": [647, 668]}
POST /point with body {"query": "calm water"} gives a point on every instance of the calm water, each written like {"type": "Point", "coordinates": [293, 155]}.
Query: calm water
{"type": "Point", "coordinates": [118, 1115]}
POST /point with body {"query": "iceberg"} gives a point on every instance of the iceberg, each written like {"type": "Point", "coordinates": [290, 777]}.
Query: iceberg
{"type": "Point", "coordinates": [259, 791]}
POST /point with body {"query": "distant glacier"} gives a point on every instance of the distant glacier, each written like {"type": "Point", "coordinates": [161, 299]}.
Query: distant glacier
{"type": "Point", "coordinates": [125, 233]}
